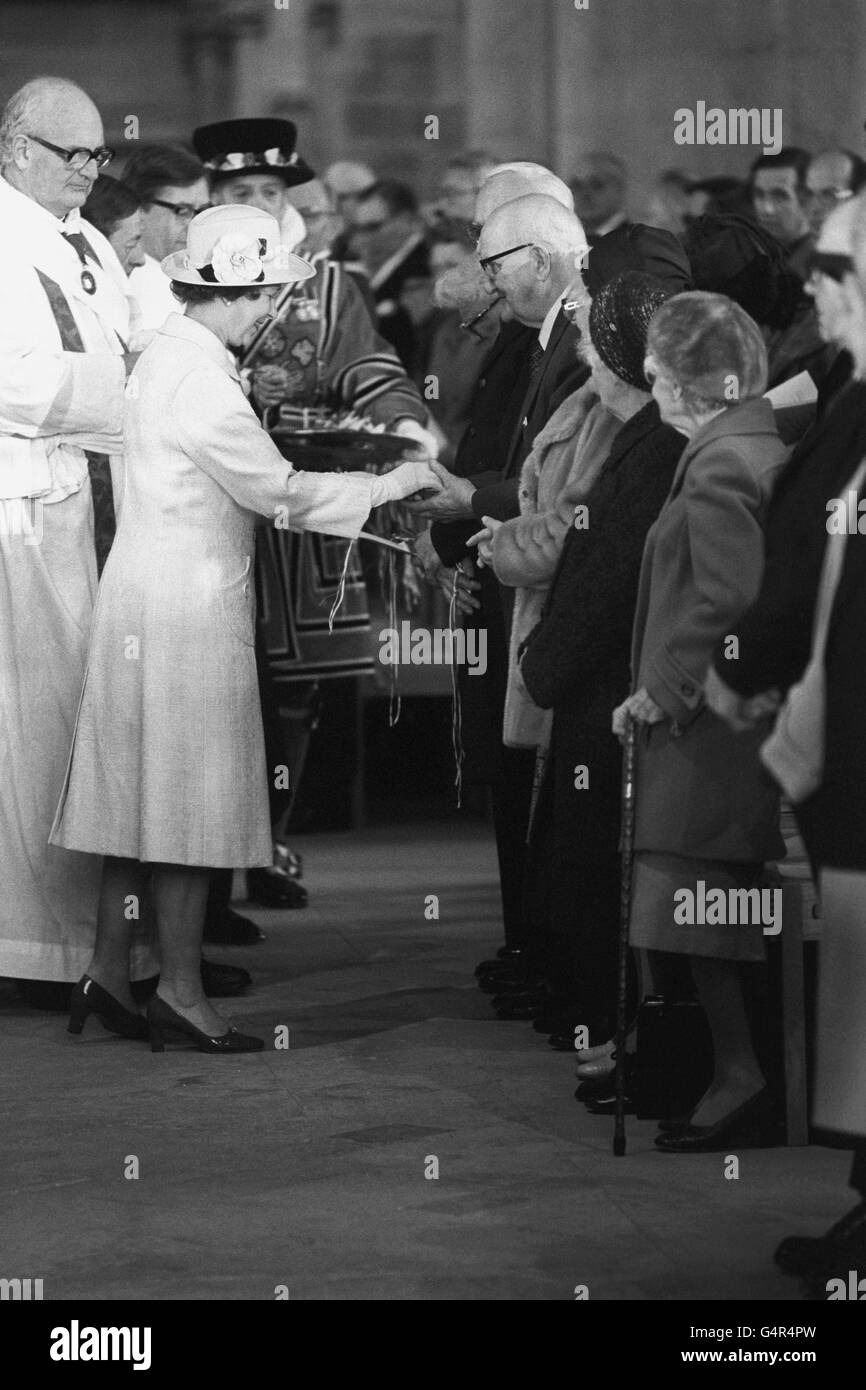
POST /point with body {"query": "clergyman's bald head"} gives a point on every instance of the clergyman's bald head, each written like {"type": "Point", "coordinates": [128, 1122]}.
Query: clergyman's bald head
{"type": "Point", "coordinates": [44, 102]}
{"type": "Point", "coordinates": [45, 113]}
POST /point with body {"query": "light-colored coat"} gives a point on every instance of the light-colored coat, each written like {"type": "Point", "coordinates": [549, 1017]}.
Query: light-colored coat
{"type": "Point", "coordinates": [168, 759]}
{"type": "Point", "coordinates": [700, 788]}
{"type": "Point", "coordinates": [565, 461]}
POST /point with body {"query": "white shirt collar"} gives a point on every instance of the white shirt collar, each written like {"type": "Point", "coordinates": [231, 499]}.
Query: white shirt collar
{"type": "Point", "coordinates": [546, 328]}
{"type": "Point", "coordinates": [611, 224]}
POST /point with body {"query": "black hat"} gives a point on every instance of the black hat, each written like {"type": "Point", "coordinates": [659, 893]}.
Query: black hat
{"type": "Point", "coordinates": [734, 256]}
{"type": "Point", "coordinates": [259, 145]}
{"type": "Point", "coordinates": [635, 246]}
{"type": "Point", "coordinates": [619, 319]}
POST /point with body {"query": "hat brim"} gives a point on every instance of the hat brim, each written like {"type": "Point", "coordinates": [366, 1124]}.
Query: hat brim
{"type": "Point", "coordinates": [292, 269]}
{"type": "Point", "coordinates": [291, 174]}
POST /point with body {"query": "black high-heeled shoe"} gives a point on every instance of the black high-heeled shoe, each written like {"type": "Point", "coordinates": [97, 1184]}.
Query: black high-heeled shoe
{"type": "Point", "coordinates": [90, 998]}
{"type": "Point", "coordinates": [753, 1125]}
{"type": "Point", "coordinates": [162, 1019]}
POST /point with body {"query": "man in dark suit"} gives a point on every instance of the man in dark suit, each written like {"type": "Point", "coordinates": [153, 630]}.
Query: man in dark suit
{"type": "Point", "coordinates": [389, 237]}
{"type": "Point", "coordinates": [531, 366]}
{"type": "Point", "coordinates": [531, 250]}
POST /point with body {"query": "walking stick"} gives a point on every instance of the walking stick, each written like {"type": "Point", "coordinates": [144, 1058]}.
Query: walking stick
{"type": "Point", "coordinates": [628, 770]}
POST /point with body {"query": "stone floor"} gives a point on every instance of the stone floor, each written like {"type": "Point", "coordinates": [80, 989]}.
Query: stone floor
{"type": "Point", "coordinates": [306, 1167]}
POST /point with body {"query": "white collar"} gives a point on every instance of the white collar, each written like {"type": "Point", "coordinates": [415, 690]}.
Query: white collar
{"type": "Point", "coordinates": [22, 207]}
{"type": "Point", "coordinates": [546, 328]}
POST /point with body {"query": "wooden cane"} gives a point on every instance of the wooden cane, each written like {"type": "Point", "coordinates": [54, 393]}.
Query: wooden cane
{"type": "Point", "coordinates": [628, 790]}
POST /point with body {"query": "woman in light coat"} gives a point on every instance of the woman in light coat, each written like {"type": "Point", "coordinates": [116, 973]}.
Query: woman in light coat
{"type": "Point", "coordinates": [167, 775]}
{"type": "Point", "coordinates": [705, 813]}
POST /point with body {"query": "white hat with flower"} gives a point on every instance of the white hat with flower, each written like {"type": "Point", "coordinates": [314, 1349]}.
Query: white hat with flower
{"type": "Point", "coordinates": [235, 245]}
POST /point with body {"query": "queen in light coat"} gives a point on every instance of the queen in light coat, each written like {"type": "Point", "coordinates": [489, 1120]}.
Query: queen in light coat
{"type": "Point", "coordinates": [167, 767]}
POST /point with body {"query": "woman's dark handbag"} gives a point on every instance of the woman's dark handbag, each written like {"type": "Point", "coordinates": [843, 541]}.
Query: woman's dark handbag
{"type": "Point", "coordinates": [674, 1062]}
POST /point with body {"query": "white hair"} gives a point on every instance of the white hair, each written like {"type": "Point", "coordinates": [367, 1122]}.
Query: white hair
{"type": "Point", "coordinates": [543, 221]}
{"type": "Point", "coordinates": [25, 107]}
{"type": "Point", "coordinates": [538, 179]}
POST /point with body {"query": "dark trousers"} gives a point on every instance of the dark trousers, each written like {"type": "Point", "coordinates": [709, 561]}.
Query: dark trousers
{"type": "Point", "coordinates": [511, 797]}
{"type": "Point", "coordinates": [576, 877]}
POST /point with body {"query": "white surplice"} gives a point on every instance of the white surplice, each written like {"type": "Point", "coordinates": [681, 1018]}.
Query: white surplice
{"type": "Point", "coordinates": [54, 403]}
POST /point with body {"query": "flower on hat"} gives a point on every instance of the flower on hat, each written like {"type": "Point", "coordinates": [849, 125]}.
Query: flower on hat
{"type": "Point", "coordinates": [236, 256]}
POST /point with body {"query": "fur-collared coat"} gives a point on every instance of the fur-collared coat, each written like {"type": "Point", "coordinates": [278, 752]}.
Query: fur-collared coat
{"type": "Point", "coordinates": [559, 471]}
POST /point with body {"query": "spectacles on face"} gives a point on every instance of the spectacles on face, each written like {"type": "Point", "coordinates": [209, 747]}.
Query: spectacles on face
{"type": "Point", "coordinates": [77, 158]}
{"type": "Point", "coordinates": [185, 211]}
{"type": "Point", "coordinates": [836, 265]}
{"type": "Point", "coordinates": [489, 264]}
{"type": "Point", "coordinates": [473, 232]}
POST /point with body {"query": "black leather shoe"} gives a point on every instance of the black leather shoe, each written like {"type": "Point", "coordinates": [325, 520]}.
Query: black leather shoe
{"type": "Point", "coordinates": [504, 983]}
{"type": "Point", "coordinates": [561, 1021]}
{"type": "Point", "coordinates": [606, 1105]}
{"type": "Point", "coordinates": [90, 998]}
{"type": "Point", "coordinates": [675, 1123]}
{"type": "Point", "coordinates": [807, 1255]}
{"type": "Point", "coordinates": [505, 956]}
{"type": "Point", "coordinates": [273, 887]}
{"type": "Point", "coordinates": [51, 995]}
{"type": "Point", "coordinates": [593, 1090]}
{"type": "Point", "coordinates": [560, 1042]}
{"type": "Point", "coordinates": [524, 1005]}
{"type": "Point", "coordinates": [162, 1020]}
{"type": "Point", "coordinates": [839, 1260]}
{"type": "Point", "coordinates": [227, 928]}
{"type": "Point", "coordinates": [752, 1125]}
{"type": "Point", "coordinates": [221, 981]}
{"type": "Point", "coordinates": [519, 983]}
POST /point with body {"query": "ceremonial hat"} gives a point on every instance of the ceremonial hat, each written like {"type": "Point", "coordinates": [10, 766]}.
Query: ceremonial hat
{"type": "Point", "coordinates": [255, 145]}
{"type": "Point", "coordinates": [238, 246]}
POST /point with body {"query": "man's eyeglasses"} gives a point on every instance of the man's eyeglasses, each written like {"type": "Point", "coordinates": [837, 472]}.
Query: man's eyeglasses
{"type": "Point", "coordinates": [78, 158]}
{"type": "Point", "coordinates": [185, 211]}
{"type": "Point", "coordinates": [489, 263]}
{"type": "Point", "coordinates": [834, 264]}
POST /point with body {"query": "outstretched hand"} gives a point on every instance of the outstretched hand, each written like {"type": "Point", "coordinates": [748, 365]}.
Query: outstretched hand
{"type": "Point", "coordinates": [484, 540]}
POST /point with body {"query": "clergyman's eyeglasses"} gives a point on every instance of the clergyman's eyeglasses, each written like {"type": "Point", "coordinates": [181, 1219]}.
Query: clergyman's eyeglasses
{"type": "Point", "coordinates": [79, 157]}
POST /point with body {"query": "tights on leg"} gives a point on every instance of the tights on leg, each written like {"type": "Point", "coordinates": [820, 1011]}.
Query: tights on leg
{"type": "Point", "coordinates": [122, 880]}
{"type": "Point", "coordinates": [180, 897]}
{"type": "Point", "coordinates": [737, 1075]}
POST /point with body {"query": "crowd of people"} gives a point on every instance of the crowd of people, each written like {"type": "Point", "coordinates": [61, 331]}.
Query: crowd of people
{"type": "Point", "coordinates": [625, 444]}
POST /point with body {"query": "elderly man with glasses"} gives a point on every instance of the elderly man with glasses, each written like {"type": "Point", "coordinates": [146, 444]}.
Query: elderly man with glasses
{"type": "Point", "coordinates": [64, 320]}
